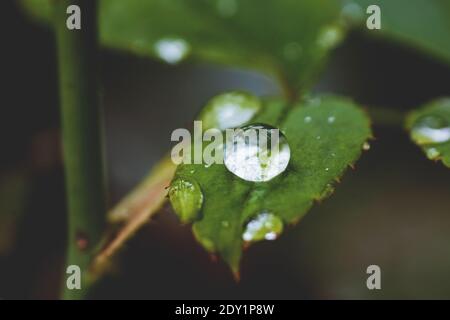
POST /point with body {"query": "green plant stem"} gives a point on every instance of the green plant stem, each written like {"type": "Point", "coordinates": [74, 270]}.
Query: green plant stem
{"type": "Point", "coordinates": [82, 138]}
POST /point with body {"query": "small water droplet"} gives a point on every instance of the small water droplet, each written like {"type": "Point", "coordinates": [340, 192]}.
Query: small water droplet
{"type": "Point", "coordinates": [192, 171]}
{"type": "Point", "coordinates": [308, 119]}
{"type": "Point", "coordinates": [257, 152]}
{"type": "Point", "coordinates": [431, 129]}
{"type": "Point", "coordinates": [186, 198]}
{"type": "Point", "coordinates": [433, 153]}
{"type": "Point", "coordinates": [225, 224]}
{"type": "Point", "coordinates": [292, 51]}
{"type": "Point", "coordinates": [318, 137]}
{"type": "Point", "coordinates": [351, 13]}
{"type": "Point", "coordinates": [327, 169]}
{"type": "Point", "coordinates": [265, 226]}
{"type": "Point", "coordinates": [333, 154]}
{"type": "Point", "coordinates": [366, 146]}
{"type": "Point", "coordinates": [172, 50]}
{"type": "Point", "coordinates": [331, 119]}
{"type": "Point", "coordinates": [329, 37]}
{"type": "Point", "coordinates": [227, 8]}
{"type": "Point", "coordinates": [229, 110]}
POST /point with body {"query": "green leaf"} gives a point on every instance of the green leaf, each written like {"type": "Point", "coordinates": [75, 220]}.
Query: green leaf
{"type": "Point", "coordinates": [325, 136]}
{"type": "Point", "coordinates": [424, 24]}
{"type": "Point", "coordinates": [429, 128]}
{"type": "Point", "coordinates": [287, 38]}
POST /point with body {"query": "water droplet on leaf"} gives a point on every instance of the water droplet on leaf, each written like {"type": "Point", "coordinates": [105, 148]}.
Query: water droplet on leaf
{"type": "Point", "coordinates": [186, 198]}
{"type": "Point", "coordinates": [331, 119]}
{"type": "Point", "coordinates": [265, 226]}
{"type": "Point", "coordinates": [366, 146]}
{"type": "Point", "coordinates": [308, 119]}
{"type": "Point", "coordinates": [431, 129]}
{"type": "Point", "coordinates": [257, 153]}
{"type": "Point", "coordinates": [172, 50]}
{"type": "Point", "coordinates": [229, 110]}
{"type": "Point", "coordinates": [433, 153]}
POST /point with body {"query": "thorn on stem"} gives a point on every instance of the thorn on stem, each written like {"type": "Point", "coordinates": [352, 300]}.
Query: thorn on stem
{"type": "Point", "coordinates": [81, 240]}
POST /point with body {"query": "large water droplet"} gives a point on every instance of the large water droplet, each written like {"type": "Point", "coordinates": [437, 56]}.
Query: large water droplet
{"type": "Point", "coordinates": [431, 129]}
{"type": "Point", "coordinates": [229, 110]}
{"type": "Point", "coordinates": [256, 152]}
{"type": "Point", "coordinates": [266, 226]}
{"type": "Point", "coordinates": [172, 50]}
{"type": "Point", "coordinates": [186, 198]}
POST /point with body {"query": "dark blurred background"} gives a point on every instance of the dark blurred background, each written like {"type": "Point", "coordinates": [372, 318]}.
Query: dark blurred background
{"type": "Point", "coordinates": [392, 210]}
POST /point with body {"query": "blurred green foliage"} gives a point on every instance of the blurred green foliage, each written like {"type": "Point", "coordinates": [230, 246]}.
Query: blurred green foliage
{"type": "Point", "coordinates": [423, 24]}
{"type": "Point", "coordinates": [286, 38]}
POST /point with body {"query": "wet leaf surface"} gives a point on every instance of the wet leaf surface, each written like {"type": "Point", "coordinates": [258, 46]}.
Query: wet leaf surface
{"type": "Point", "coordinates": [325, 135]}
